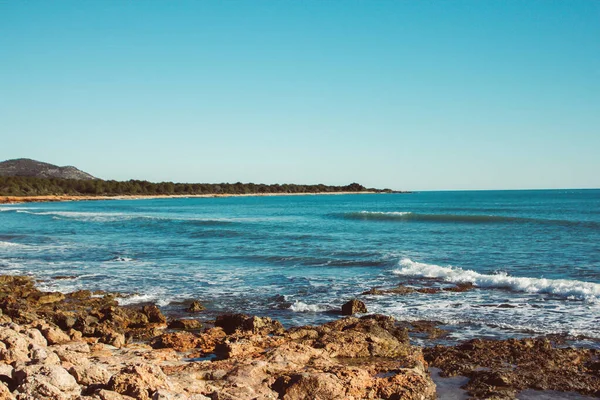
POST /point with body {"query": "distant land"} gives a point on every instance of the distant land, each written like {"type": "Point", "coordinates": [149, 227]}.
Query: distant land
{"type": "Point", "coordinates": [38, 169]}
{"type": "Point", "coordinates": [24, 180]}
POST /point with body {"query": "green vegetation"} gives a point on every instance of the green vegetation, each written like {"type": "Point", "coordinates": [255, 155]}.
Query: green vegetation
{"type": "Point", "coordinates": [28, 186]}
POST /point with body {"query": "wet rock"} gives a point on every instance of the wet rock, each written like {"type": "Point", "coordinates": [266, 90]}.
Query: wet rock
{"type": "Point", "coordinates": [502, 368]}
{"type": "Point", "coordinates": [399, 290]}
{"type": "Point", "coordinates": [231, 323]}
{"type": "Point", "coordinates": [195, 307]}
{"type": "Point", "coordinates": [154, 314]}
{"type": "Point", "coordinates": [354, 307]}
{"type": "Point", "coordinates": [429, 290]}
{"type": "Point", "coordinates": [461, 287]}
{"type": "Point", "coordinates": [185, 324]}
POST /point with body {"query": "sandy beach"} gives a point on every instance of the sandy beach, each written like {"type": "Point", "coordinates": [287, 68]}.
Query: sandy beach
{"type": "Point", "coordinates": [59, 198]}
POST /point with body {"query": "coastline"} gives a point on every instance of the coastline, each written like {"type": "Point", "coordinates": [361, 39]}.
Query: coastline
{"type": "Point", "coordinates": [84, 345]}
{"type": "Point", "coordinates": [64, 198]}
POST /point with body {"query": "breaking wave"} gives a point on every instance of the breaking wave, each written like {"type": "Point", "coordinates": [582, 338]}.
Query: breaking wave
{"type": "Point", "coordinates": [569, 289]}
{"type": "Point", "coordinates": [300, 306]}
{"type": "Point", "coordinates": [407, 216]}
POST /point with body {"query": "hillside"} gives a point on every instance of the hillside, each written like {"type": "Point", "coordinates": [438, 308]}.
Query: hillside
{"type": "Point", "coordinates": [38, 169]}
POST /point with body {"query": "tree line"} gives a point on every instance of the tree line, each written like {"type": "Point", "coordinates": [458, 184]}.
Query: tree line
{"type": "Point", "coordinates": [30, 186]}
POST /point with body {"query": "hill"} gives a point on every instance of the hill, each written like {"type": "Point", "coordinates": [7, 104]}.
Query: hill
{"type": "Point", "coordinates": [38, 169]}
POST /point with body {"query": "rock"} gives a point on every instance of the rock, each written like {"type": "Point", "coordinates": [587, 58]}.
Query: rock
{"type": "Point", "coordinates": [195, 307]}
{"type": "Point", "coordinates": [54, 335]}
{"type": "Point", "coordinates": [47, 297]}
{"type": "Point", "coordinates": [42, 355]}
{"type": "Point", "coordinates": [241, 322]}
{"type": "Point", "coordinates": [502, 368]}
{"type": "Point", "coordinates": [314, 386]}
{"type": "Point", "coordinates": [5, 393]}
{"type": "Point", "coordinates": [354, 307]}
{"type": "Point", "coordinates": [36, 337]}
{"type": "Point", "coordinates": [46, 382]}
{"type": "Point", "coordinates": [185, 324]}
{"type": "Point", "coordinates": [13, 345]}
{"type": "Point", "coordinates": [231, 322]}
{"type": "Point", "coordinates": [180, 341]}
{"type": "Point", "coordinates": [140, 381]}
{"type": "Point", "coordinates": [92, 374]}
{"type": "Point", "coordinates": [154, 314]}
{"type": "Point", "coordinates": [461, 287]}
{"type": "Point", "coordinates": [110, 395]}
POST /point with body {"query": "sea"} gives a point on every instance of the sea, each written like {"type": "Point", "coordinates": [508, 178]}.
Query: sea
{"type": "Point", "coordinates": [533, 256]}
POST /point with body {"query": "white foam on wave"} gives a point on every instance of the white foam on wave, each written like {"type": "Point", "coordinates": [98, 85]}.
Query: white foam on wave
{"type": "Point", "coordinates": [302, 307]}
{"type": "Point", "coordinates": [11, 245]}
{"type": "Point", "coordinates": [398, 213]}
{"type": "Point", "coordinates": [569, 289]}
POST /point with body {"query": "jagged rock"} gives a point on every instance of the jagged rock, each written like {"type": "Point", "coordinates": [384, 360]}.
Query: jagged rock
{"type": "Point", "coordinates": [354, 307]}
{"type": "Point", "coordinates": [154, 314]}
{"type": "Point", "coordinates": [5, 393]}
{"type": "Point", "coordinates": [91, 374]}
{"type": "Point", "coordinates": [140, 381]}
{"type": "Point", "coordinates": [314, 386]}
{"type": "Point", "coordinates": [42, 355]}
{"type": "Point", "coordinates": [13, 346]}
{"type": "Point", "coordinates": [185, 324]}
{"type": "Point", "coordinates": [54, 335]}
{"type": "Point", "coordinates": [461, 287]}
{"type": "Point", "coordinates": [110, 395]}
{"type": "Point", "coordinates": [241, 322]}
{"type": "Point", "coordinates": [47, 297]}
{"type": "Point", "coordinates": [46, 382]}
{"type": "Point", "coordinates": [195, 307]}
{"type": "Point", "coordinates": [180, 341]}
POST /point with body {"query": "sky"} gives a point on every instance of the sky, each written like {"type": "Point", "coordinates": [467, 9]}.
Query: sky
{"type": "Point", "coordinates": [408, 95]}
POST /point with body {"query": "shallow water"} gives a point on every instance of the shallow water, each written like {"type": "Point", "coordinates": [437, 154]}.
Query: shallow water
{"type": "Point", "coordinates": [534, 255]}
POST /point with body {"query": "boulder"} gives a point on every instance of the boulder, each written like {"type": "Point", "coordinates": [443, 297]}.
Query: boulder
{"type": "Point", "coordinates": [54, 335]}
{"type": "Point", "coordinates": [185, 324]}
{"type": "Point", "coordinates": [354, 307]}
{"type": "Point", "coordinates": [314, 386]}
{"type": "Point", "coordinates": [13, 345]}
{"type": "Point", "coordinates": [92, 374]}
{"type": "Point", "coordinates": [50, 382]}
{"type": "Point", "coordinates": [154, 314]}
{"type": "Point", "coordinates": [140, 381]}
{"type": "Point", "coordinates": [195, 307]}
{"type": "Point", "coordinates": [244, 323]}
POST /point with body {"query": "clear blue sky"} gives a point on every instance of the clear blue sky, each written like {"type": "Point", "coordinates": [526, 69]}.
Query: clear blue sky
{"type": "Point", "coordinates": [404, 94]}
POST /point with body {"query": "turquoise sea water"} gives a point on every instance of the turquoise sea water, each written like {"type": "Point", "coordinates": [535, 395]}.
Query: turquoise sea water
{"type": "Point", "coordinates": [533, 255]}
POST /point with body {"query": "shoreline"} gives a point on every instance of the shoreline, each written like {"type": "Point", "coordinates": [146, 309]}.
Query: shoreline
{"type": "Point", "coordinates": [65, 198]}
{"type": "Point", "coordinates": [84, 345]}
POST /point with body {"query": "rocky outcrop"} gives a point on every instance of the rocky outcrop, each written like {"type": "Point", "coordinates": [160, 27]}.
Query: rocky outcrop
{"type": "Point", "coordinates": [501, 368]}
{"type": "Point", "coordinates": [354, 307]}
{"type": "Point", "coordinates": [87, 347]}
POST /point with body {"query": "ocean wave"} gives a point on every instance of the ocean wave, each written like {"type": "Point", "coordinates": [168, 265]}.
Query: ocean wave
{"type": "Point", "coordinates": [302, 307]}
{"type": "Point", "coordinates": [569, 289]}
{"type": "Point", "coordinates": [11, 245]}
{"type": "Point", "coordinates": [407, 216]}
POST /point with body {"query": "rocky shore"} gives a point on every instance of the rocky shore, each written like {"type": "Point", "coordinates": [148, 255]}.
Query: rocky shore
{"type": "Point", "coordinates": [83, 345]}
